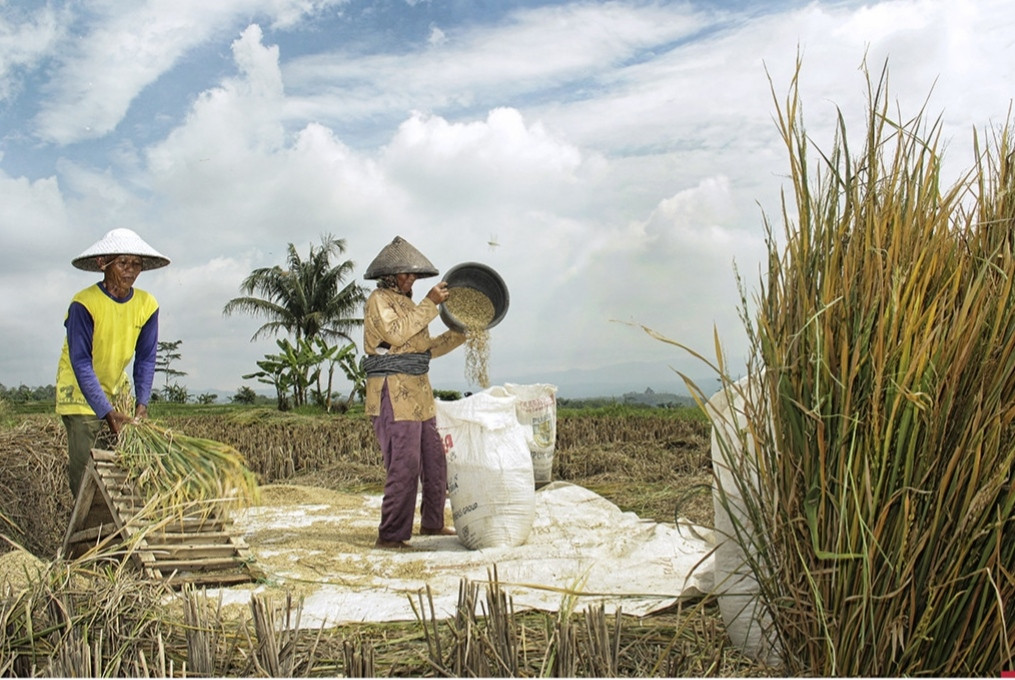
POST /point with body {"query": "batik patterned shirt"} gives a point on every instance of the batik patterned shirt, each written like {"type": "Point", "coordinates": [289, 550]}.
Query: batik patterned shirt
{"type": "Point", "coordinates": [393, 318]}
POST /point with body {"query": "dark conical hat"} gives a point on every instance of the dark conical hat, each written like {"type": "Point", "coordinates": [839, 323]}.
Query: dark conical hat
{"type": "Point", "coordinates": [400, 257]}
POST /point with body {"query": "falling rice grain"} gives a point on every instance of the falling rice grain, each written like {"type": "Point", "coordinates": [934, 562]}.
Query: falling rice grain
{"type": "Point", "coordinates": [475, 311]}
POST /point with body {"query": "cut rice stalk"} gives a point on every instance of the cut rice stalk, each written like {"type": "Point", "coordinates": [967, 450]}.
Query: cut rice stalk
{"type": "Point", "coordinates": [184, 471]}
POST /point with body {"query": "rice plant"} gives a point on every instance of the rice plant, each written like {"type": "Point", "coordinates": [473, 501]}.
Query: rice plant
{"type": "Point", "coordinates": [879, 425]}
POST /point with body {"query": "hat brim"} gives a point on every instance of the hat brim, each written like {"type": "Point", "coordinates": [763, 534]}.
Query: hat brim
{"type": "Point", "coordinates": [423, 273]}
{"type": "Point", "coordinates": [90, 263]}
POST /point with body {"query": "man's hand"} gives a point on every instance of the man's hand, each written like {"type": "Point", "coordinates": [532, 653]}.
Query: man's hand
{"type": "Point", "coordinates": [116, 420]}
{"type": "Point", "coordinates": [439, 293]}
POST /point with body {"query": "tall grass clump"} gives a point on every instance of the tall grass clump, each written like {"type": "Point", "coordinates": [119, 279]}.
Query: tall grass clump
{"type": "Point", "coordinates": [878, 496]}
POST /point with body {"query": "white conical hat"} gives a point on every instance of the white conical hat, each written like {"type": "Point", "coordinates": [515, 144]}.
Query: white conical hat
{"type": "Point", "coordinates": [120, 242]}
{"type": "Point", "coordinates": [400, 257]}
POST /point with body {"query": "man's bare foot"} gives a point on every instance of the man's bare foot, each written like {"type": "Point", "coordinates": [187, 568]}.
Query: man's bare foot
{"type": "Point", "coordinates": [443, 531]}
{"type": "Point", "coordinates": [392, 545]}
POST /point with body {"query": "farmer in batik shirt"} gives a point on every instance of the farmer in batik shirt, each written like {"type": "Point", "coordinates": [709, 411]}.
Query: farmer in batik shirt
{"type": "Point", "coordinates": [399, 399]}
{"type": "Point", "coordinates": [108, 324]}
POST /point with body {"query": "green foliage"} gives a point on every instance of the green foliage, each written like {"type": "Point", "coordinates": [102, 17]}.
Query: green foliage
{"type": "Point", "coordinates": [244, 395]}
{"type": "Point", "coordinates": [23, 394]}
{"type": "Point", "coordinates": [167, 353]}
{"type": "Point", "coordinates": [347, 360]}
{"type": "Point", "coordinates": [569, 408]}
{"type": "Point", "coordinates": [176, 394]}
{"type": "Point", "coordinates": [306, 298]}
{"type": "Point", "coordinates": [277, 370]}
{"type": "Point", "coordinates": [298, 370]}
{"type": "Point", "coordinates": [588, 403]}
{"type": "Point", "coordinates": [165, 409]}
{"type": "Point", "coordinates": [447, 395]}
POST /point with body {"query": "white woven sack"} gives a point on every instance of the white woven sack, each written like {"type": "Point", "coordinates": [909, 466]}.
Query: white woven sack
{"type": "Point", "coordinates": [537, 412]}
{"type": "Point", "coordinates": [747, 621]}
{"type": "Point", "coordinates": [493, 500]}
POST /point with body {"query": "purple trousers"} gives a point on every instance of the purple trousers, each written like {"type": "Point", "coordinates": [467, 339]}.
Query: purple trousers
{"type": "Point", "coordinates": [413, 453]}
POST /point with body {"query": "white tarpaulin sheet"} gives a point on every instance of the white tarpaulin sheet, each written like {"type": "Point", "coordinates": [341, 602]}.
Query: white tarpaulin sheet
{"type": "Point", "coordinates": [319, 545]}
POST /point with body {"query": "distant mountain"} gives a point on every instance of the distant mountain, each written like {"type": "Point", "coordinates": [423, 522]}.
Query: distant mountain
{"type": "Point", "coordinates": [652, 398]}
{"type": "Point", "coordinates": [616, 380]}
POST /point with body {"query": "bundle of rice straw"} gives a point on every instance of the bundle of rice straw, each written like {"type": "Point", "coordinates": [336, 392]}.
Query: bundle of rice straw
{"type": "Point", "coordinates": [177, 471]}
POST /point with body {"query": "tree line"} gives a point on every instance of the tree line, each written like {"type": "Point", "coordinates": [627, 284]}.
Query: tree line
{"type": "Point", "coordinates": [23, 394]}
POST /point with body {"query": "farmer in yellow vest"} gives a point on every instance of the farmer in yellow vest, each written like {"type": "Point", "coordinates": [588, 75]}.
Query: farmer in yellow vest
{"type": "Point", "coordinates": [399, 399]}
{"type": "Point", "coordinates": [108, 324]}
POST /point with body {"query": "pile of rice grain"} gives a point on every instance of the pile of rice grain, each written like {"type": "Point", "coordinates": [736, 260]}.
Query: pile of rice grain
{"type": "Point", "coordinates": [19, 570]}
{"type": "Point", "coordinates": [475, 311]}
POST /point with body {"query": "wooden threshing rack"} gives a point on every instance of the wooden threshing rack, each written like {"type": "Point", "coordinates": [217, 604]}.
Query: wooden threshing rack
{"type": "Point", "coordinates": [194, 548]}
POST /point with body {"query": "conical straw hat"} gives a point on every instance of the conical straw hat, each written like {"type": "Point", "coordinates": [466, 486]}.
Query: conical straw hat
{"type": "Point", "coordinates": [120, 242]}
{"type": "Point", "coordinates": [400, 257]}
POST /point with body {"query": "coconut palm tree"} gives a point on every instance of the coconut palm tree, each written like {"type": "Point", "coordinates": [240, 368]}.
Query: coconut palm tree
{"type": "Point", "coordinates": [306, 298]}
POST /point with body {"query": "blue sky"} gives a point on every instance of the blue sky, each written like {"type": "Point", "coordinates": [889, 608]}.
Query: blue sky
{"type": "Point", "coordinates": [619, 153]}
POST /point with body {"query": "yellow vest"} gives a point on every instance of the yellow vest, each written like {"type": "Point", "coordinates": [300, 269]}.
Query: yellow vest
{"type": "Point", "coordinates": [117, 327]}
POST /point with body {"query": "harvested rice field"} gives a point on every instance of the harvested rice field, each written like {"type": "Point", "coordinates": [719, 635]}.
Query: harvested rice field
{"type": "Point", "coordinates": [655, 466]}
